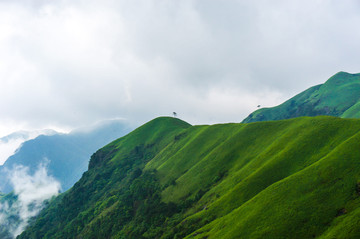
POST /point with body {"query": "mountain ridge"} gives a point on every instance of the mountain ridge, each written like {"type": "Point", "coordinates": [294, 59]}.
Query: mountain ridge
{"type": "Point", "coordinates": [65, 156]}
{"type": "Point", "coordinates": [9, 144]}
{"type": "Point", "coordinates": [339, 96]}
{"type": "Point", "coordinates": [168, 179]}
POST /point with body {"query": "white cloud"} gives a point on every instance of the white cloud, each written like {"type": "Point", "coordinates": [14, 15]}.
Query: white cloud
{"type": "Point", "coordinates": [68, 63]}
{"type": "Point", "coordinates": [8, 148]}
{"type": "Point", "coordinates": [30, 192]}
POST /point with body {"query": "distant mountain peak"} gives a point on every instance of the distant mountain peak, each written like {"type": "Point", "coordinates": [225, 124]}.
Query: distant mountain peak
{"type": "Point", "coordinates": [338, 96]}
{"type": "Point", "coordinates": [67, 154]}
{"type": "Point", "coordinates": [10, 143]}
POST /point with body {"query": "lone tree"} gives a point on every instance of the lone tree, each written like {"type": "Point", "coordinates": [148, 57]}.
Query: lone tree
{"type": "Point", "coordinates": [174, 114]}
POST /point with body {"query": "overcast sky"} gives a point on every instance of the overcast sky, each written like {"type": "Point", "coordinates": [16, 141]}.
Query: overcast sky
{"type": "Point", "coordinates": [69, 63]}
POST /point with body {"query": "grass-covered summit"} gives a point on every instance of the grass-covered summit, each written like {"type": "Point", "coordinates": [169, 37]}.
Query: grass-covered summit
{"type": "Point", "coordinates": [339, 96]}
{"type": "Point", "coordinates": [297, 178]}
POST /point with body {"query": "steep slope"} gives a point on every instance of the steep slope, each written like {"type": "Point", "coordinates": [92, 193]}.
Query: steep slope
{"type": "Point", "coordinates": [339, 96]}
{"type": "Point", "coordinates": [295, 178]}
{"type": "Point", "coordinates": [112, 188]}
{"type": "Point", "coordinates": [65, 155]}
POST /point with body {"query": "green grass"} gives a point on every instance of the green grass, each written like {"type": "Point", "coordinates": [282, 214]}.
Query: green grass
{"type": "Point", "coordinates": [297, 178]}
{"type": "Point", "coordinates": [339, 96]}
{"type": "Point", "coordinates": [352, 112]}
{"type": "Point", "coordinates": [302, 205]}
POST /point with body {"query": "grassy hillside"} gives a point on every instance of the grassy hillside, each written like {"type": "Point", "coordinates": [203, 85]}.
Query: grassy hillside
{"type": "Point", "coordinates": [297, 178]}
{"type": "Point", "coordinates": [339, 96]}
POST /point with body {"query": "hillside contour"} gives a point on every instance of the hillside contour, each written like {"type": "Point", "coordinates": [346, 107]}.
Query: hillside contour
{"type": "Point", "coordinates": [297, 178]}
{"type": "Point", "coordinates": [339, 96]}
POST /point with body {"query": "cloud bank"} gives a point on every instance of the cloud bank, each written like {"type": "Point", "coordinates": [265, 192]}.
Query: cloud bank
{"type": "Point", "coordinates": [66, 63]}
{"type": "Point", "coordinates": [30, 193]}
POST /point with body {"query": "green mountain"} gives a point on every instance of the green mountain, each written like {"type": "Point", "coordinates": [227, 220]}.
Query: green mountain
{"type": "Point", "coordinates": [297, 178]}
{"type": "Point", "coordinates": [339, 96]}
